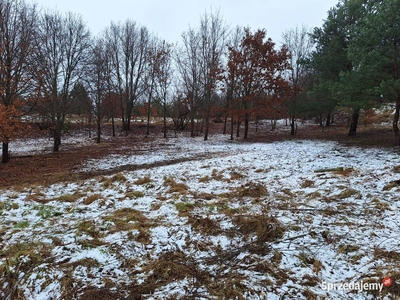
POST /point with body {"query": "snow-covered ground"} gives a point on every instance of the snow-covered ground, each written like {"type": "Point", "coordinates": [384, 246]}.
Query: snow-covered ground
{"type": "Point", "coordinates": [44, 144]}
{"type": "Point", "coordinates": [221, 220]}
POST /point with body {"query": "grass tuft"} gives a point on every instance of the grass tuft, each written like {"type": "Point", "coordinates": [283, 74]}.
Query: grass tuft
{"type": "Point", "coordinates": [125, 219]}
{"type": "Point", "coordinates": [134, 195]}
{"type": "Point", "coordinates": [347, 193]}
{"type": "Point", "coordinates": [175, 187]}
{"type": "Point", "coordinates": [265, 228]}
{"type": "Point", "coordinates": [89, 228]}
{"type": "Point", "coordinates": [251, 189]}
{"type": "Point", "coordinates": [67, 198]}
{"type": "Point", "coordinates": [205, 225]}
{"type": "Point", "coordinates": [184, 208]}
{"type": "Point", "coordinates": [92, 198]}
{"type": "Point", "coordinates": [142, 181]}
{"type": "Point", "coordinates": [118, 178]}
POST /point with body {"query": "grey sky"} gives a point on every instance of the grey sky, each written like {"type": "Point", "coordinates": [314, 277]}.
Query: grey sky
{"type": "Point", "coordinates": [169, 18]}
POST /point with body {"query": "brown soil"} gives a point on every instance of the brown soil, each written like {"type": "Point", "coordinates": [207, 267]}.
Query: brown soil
{"type": "Point", "coordinates": [62, 166]}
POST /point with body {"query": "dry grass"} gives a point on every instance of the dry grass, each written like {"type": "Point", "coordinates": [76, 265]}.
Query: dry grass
{"type": "Point", "coordinates": [34, 254]}
{"type": "Point", "coordinates": [8, 205]}
{"type": "Point", "coordinates": [253, 190]}
{"type": "Point", "coordinates": [134, 195]}
{"type": "Point", "coordinates": [142, 181]}
{"type": "Point", "coordinates": [276, 257]}
{"type": "Point", "coordinates": [184, 208]}
{"type": "Point", "coordinates": [106, 293]}
{"type": "Point", "coordinates": [36, 196]}
{"type": "Point", "coordinates": [87, 262]}
{"type": "Point", "coordinates": [205, 179]}
{"type": "Point", "coordinates": [396, 169]}
{"type": "Point", "coordinates": [19, 261]}
{"type": "Point", "coordinates": [127, 219]}
{"type": "Point", "coordinates": [345, 249]}
{"type": "Point", "coordinates": [388, 255]}
{"type": "Point", "coordinates": [390, 292]}
{"type": "Point", "coordinates": [118, 178]}
{"type": "Point", "coordinates": [89, 228]}
{"type": "Point", "coordinates": [205, 225]}
{"type": "Point", "coordinates": [90, 243]}
{"type": "Point", "coordinates": [307, 183]}
{"type": "Point", "coordinates": [67, 198]}
{"type": "Point", "coordinates": [314, 195]}
{"type": "Point", "coordinates": [143, 237]}
{"type": "Point", "coordinates": [236, 175]}
{"type": "Point", "coordinates": [175, 187]}
{"type": "Point", "coordinates": [92, 198]}
{"type": "Point", "coordinates": [391, 185]}
{"type": "Point", "coordinates": [230, 288]}
{"type": "Point", "coordinates": [218, 176]}
{"type": "Point", "coordinates": [344, 172]}
{"type": "Point", "coordinates": [108, 181]}
{"type": "Point", "coordinates": [347, 193]}
{"type": "Point", "coordinates": [380, 205]}
{"type": "Point", "coordinates": [308, 294]}
{"type": "Point", "coordinates": [170, 267]}
{"type": "Point", "coordinates": [288, 193]}
{"type": "Point", "coordinates": [203, 195]}
{"type": "Point", "coordinates": [265, 228]}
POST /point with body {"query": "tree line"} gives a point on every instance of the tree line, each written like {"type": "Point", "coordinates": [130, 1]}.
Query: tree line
{"type": "Point", "coordinates": [51, 65]}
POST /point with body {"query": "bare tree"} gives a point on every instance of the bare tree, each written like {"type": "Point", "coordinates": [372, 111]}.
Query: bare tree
{"type": "Point", "coordinates": [189, 66]}
{"type": "Point", "coordinates": [199, 63]}
{"type": "Point", "coordinates": [17, 33]}
{"type": "Point", "coordinates": [299, 44]}
{"type": "Point", "coordinates": [99, 74]}
{"type": "Point", "coordinates": [150, 80]}
{"type": "Point", "coordinates": [62, 53]}
{"type": "Point", "coordinates": [213, 33]}
{"type": "Point", "coordinates": [231, 79]}
{"type": "Point", "coordinates": [128, 45]}
{"type": "Point", "coordinates": [163, 74]}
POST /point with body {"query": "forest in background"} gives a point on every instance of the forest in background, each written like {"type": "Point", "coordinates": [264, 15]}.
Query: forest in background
{"type": "Point", "coordinates": [53, 69]}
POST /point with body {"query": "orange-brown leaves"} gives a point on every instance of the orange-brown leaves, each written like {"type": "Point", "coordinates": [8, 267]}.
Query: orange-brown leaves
{"type": "Point", "coordinates": [10, 122]}
{"type": "Point", "coordinates": [257, 68]}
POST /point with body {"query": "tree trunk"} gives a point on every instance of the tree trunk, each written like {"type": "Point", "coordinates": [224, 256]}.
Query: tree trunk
{"type": "Point", "coordinates": [328, 119]}
{"type": "Point", "coordinates": [90, 126]}
{"type": "Point", "coordinates": [238, 129]}
{"type": "Point", "coordinates": [57, 140]}
{"type": "Point", "coordinates": [273, 123]}
{"type": "Point", "coordinates": [98, 130]}
{"type": "Point", "coordinates": [165, 119]}
{"type": "Point", "coordinates": [128, 123]}
{"type": "Point", "coordinates": [113, 125]}
{"type": "Point", "coordinates": [232, 127]}
{"type": "Point", "coordinates": [292, 125]}
{"type": "Point", "coordinates": [192, 126]}
{"type": "Point", "coordinates": [201, 126]}
{"type": "Point", "coordinates": [354, 122]}
{"type": "Point", "coordinates": [149, 114]}
{"type": "Point", "coordinates": [397, 111]}
{"type": "Point", "coordinates": [225, 124]}
{"type": "Point", "coordinates": [395, 123]}
{"type": "Point", "coordinates": [246, 126]}
{"type": "Point", "coordinates": [207, 121]}
{"type": "Point", "coordinates": [123, 120]}
{"type": "Point", "coordinates": [6, 155]}
{"type": "Point", "coordinates": [257, 125]}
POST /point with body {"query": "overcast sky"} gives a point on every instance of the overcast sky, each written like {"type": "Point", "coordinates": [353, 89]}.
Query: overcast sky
{"type": "Point", "coordinates": [169, 18]}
